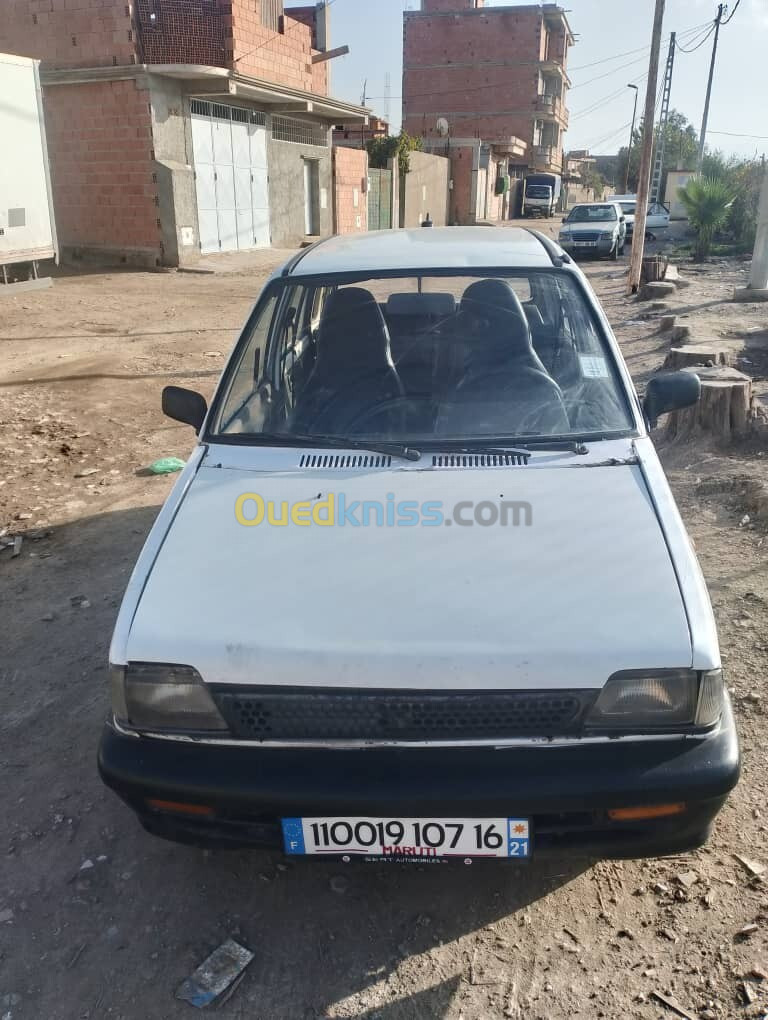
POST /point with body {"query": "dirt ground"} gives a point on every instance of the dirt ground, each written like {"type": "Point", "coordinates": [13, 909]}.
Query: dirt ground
{"type": "Point", "coordinates": [99, 920]}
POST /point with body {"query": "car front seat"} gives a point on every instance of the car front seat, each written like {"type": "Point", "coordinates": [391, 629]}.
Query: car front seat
{"type": "Point", "coordinates": [505, 389]}
{"type": "Point", "coordinates": [353, 374]}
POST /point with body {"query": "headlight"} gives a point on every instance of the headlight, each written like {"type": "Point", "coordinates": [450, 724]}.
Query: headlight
{"type": "Point", "coordinates": [658, 700]}
{"type": "Point", "coordinates": [150, 696]}
{"type": "Point", "coordinates": [607, 235]}
{"type": "Point", "coordinates": [564, 235]}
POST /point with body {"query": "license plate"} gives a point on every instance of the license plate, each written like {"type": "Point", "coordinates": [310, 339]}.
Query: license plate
{"type": "Point", "coordinates": [584, 244]}
{"type": "Point", "coordinates": [408, 837]}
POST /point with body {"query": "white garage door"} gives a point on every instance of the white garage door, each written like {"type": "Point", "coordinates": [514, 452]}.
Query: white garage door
{"type": "Point", "coordinates": [230, 150]}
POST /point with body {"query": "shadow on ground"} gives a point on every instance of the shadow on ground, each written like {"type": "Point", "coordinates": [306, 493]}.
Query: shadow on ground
{"type": "Point", "coordinates": [107, 920]}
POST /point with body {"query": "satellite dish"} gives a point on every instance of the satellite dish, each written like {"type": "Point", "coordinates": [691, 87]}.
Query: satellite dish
{"type": "Point", "coordinates": [442, 127]}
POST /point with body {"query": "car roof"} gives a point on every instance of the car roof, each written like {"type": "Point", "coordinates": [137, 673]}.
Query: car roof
{"type": "Point", "coordinates": [423, 249]}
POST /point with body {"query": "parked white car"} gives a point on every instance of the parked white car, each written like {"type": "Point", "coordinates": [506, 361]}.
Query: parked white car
{"type": "Point", "coordinates": [657, 217]}
{"type": "Point", "coordinates": [594, 228]}
{"type": "Point", "coordinates": [422, 589]}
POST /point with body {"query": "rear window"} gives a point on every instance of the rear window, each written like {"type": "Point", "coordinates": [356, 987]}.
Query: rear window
{"type": "Point", "coordinates": [419, 359]}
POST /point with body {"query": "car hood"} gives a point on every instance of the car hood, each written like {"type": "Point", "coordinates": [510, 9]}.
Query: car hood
{"type": "Point", "coordinates": [605, 226]}
{"type": "Point", "coordinates": [585, 590]}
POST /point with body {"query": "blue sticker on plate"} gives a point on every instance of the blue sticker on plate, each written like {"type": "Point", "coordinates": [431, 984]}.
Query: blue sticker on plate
{"type": "Point", "coordinates": [293, 835]}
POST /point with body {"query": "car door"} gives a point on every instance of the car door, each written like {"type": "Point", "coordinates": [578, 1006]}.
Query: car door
{"type": "Point", "coordinates": [658, 216]}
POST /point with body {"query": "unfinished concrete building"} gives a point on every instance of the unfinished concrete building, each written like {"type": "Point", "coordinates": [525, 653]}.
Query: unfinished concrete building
{"type": "Point", "coordinates": [181, 127]}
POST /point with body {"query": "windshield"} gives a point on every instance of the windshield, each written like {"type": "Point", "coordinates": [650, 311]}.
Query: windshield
{"type": "Point", "coordinates": [628, 208]}
{"type": "Point", "coordinates": [592, 213]}
{"type": "Point", "coordinates": [422, 359]}
{"type": "Point", "coordinates": [537, 191]}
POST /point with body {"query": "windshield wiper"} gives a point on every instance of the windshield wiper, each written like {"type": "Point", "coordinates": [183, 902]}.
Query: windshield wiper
{"type": "Point", "coordinates": [523, 445]}
{"type": "Point", "coordinates": [345, 443]}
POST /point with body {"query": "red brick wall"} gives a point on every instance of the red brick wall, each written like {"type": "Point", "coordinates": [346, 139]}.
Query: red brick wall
{"type": "Point", "coordinates": [283, 58]}
{"type": "Point", "coordinates": [100, 148]}
{"type": "Point", "coordinates": [221, 33]}
{"type": "Point", "coordinates": [428, 6]}
{"type": "Point", "coordinates": [449, 71]}
{"type": "Point", "coordinates": [350, 172]}
{"type": "Point", "coordinates": [184, 31]}
{"type": "Point", "coordinates": [69, 33]}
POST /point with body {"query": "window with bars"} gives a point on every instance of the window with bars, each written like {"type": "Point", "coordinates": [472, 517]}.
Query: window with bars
{"type": "Point", "coordinates": [302, 132]}
{"type": "Point", "coordinates": [271, 13]}
{"type": "Point", "coordinates": [236, 113]}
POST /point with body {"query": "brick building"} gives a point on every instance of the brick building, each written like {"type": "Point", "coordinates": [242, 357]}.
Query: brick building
{"type": "Point", "coordinates": [487, 87]}
{"type": "Point", "coordinates": [177, 127]}
{"type": "Point", "coordinates": [356, 136]}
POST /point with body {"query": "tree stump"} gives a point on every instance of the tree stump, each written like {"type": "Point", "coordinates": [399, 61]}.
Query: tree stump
{"type": "Point", "coordinates": [725, 408]}
{"type": "Point", "coordinates": [657, 291]}
{"type": "Point", "coordinates": [654, 267]}
{"type": "Point", "coordinates": [680, 333]}
{"type": "Point", "coordinates": [707, 353]}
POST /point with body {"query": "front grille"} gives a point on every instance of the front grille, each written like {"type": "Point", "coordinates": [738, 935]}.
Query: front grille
{"type": "Point", "coordinates": [585, 235]}
{"type": "Point", "coordinates": [301, 714]}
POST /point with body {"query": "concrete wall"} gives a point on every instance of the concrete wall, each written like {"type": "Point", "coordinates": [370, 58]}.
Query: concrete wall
{"type": "Point", "coordinates": [350, 195]}
{"type": "Point", "coordinates": [104, 193]}
{"type": "Point", "coordinates": [286, 191]}
{"type": "Point", "coordinates": [425, 190]}
{"type": "Point", "coordinates": [174, 170]}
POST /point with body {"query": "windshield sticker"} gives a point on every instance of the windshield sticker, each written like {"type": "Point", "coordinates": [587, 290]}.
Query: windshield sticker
{"type": "Point", "coordinates": [594, 368]}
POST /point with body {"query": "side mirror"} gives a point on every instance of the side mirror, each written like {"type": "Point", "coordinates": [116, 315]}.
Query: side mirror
{"type": "Point", "coordinates": [563, 219]}
{"type": "Point", "coordinates": [670, 391]}
{"type": "Point", "coordinates": [185, 406]}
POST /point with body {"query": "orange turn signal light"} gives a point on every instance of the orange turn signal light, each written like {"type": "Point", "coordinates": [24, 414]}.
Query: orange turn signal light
{"type": "Point", "coordinates": [178, 808]}
{"type": "Point", "coordinates": [633, 814]}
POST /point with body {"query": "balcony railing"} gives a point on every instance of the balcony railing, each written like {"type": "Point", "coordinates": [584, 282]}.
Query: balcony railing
{"type": "Point", "coordinates": [550, 105]}
{"type": "Point", "coordinates": [548, 157]}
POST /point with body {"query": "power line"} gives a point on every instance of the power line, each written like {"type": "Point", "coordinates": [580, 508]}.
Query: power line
{"type": "Point", "coordinates": [700, 43]}
{"type": "Point", "coordinates": [606, 100]}
{"type": "Point", "coordinates": [607, 138]}
{"type": "Point", "coordinates": [734, 134]}
{"type": "Point", "coordinates": [606, 60]}
{"type": "Point", "coordinates": [730, 16]}
{"type": "Point", "coordinates": [642, 49]}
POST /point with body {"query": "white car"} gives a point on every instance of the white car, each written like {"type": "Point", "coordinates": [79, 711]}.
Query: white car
{"type": "Point", "coordinates": [422, 590]}
{"type": "Point", "coordinates": [657, 217]}
{"type": "Point", "coordinates": [594, 228]}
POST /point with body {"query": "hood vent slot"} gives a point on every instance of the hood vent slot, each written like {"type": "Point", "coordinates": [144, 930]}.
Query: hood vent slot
{"type": "Point", "coordinates": [479, 460]}
{"type": "Point", "coordinates": [344, 461]}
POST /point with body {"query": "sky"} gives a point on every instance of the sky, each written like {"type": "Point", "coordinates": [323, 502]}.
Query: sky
{"type": "Point", "coordinates": [600, 105]}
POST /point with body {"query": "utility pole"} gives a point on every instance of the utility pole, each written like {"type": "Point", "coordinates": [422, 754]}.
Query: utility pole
{"type": "Point", "coordinates": [703, 133]}
{"type": "Point", "coordinates": [631, 138]}
{"type": "Point", "coordinates": [661, 135]}
{"type": "Point", "coordinates": [757, 289]}
{"type": "Point", "coordinates": [641, 206]}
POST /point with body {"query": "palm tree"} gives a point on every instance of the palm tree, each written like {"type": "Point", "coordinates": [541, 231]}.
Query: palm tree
{"type": "Point", "coordinates": [707, 201]}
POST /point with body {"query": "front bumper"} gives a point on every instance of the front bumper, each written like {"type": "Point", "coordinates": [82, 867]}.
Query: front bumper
{"type": "Point", "coordinates": [565, 790]}
{"type": "Point", "coordinates": [603, 246]}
